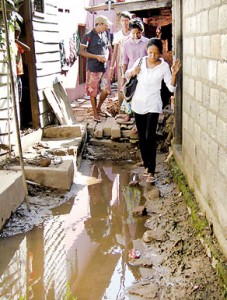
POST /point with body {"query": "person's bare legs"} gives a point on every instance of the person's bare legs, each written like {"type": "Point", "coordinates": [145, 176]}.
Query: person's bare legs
{"type": "Point", "coordinates": [94, 107]}
{"type": "Point", "coordinates": [102, 98]}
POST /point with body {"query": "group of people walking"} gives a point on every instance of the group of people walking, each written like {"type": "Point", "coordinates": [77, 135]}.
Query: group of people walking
{"type": "Point", "coordinates": [129, 46]}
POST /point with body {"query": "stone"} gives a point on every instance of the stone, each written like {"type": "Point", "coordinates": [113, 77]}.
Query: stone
{"type": "Point", "coordinates": [91, 128]}
{"type": "Point", "coordinates": [154, 193]}
{"type": "Point", "coordinates": [139, 211]}
{"type": "Point", "coordinates": [115, 131]}
{"type": "Point", "coordinates": [98, 133]}
{"type": "Point", "coordinates": [107, 126]}
{"type": "Point", "coordinates": [155, 235]}
{"type": "Point", "coordinates": [58, 176]}
{"type": "Point", "coordinates": [45, 162]}
{"type": "Point", "coordinates": [64, 131]}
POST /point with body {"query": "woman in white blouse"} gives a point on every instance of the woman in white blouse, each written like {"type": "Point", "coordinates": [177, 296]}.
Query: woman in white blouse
{"type": "Point", "coordinates": [147, 102]}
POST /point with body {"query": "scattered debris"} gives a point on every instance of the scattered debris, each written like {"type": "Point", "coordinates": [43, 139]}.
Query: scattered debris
{"type": "Point", "coordinates": [133, 254]}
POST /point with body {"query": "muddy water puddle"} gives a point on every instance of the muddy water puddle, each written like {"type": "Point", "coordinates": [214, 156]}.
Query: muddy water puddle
{"type": "Point", "coordinates": [78, 250]}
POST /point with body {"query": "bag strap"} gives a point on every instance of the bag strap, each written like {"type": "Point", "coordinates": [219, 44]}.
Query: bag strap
{"type": "Point", "coordinates": [140, 62]}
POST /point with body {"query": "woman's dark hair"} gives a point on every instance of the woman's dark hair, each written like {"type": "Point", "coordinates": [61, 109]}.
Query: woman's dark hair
{"type": "Point", "coordinates": [155, 42]}
{"type": "Point", "coordinates": [135, 23]}
{"type": "Point", "coordinates": [126, 14]}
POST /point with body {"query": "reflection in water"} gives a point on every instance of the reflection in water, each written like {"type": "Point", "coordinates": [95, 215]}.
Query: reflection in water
{"type": "Point", "coordinates": [84, 243]}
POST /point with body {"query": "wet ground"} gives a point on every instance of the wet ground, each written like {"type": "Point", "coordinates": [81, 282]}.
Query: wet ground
{"type": "Point", "coordinates": [77, 247]}
{"type": "Point", "coordinates": [81, 244]}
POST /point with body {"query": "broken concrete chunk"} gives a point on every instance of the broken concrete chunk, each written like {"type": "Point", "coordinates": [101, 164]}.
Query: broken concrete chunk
{"type": "Point", "coordinates": [155, 235]}
{"type": "Point", "coordinates": [139, 211]}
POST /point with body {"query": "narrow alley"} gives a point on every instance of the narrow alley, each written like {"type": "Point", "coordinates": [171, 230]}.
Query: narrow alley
{"type": "Point", "coordinates": [86, 213]}
{"type": "Point", "coordinates": [139, 238]}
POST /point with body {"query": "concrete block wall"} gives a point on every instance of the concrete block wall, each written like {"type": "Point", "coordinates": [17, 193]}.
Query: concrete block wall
{"type": "Point", "coordinates": [204, 145]}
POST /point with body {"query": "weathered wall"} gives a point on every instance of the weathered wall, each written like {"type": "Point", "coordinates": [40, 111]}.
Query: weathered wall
{"type": "Point", "coordinates": [47, 52]}
{"type": "Point", "coordinates": [78, 16]}
{"type": "Point", "coordinates": [204, 144]}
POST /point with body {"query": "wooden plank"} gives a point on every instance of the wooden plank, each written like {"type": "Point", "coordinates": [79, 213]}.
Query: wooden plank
{"type": "Point", "coordinates": [4, 126]}
{"type": "Point", "coordinates": [47, 57]}
{"type": "Point", "coordinates": [4, 103]}
{"type": "Point", "coordinates": [5, 113]}
{"type": "Point", "coordinates": [3, 55]}
{"type": "Point", "coordinates": [51, 3]}
{"type": "Point", "coordinates": [47, 37]}
{"type": "Point", "coordinates": [3, 79]}
{"type": "Point", "coordinates": [3, 68]}
{"type": "Point", "coordinates": [41, 95]}
{"type": "Point", "coordinates": [65, 106]}
{"type": "Point", "coordinates": [52, 19]}
{"type": "Point", "coordinates": [53, 68]}
{"type": "Point", "coordinates": [51, 65]}
{"type": "Point", "coordinates": [43, 26]}
{"type": "Point", "coordinates": [44, 106]}
{"type": "Point", "coordinates": [3, 92]}
{"type": "Point", "coordinates": [51, 10]}
{"type": "Point", "coordinates": [47, 118]}
{"type": "Point", "coordinates": [54, 103]}
{"type": "Point", "coordinates": [47, 81]}
{"type": "Point", "coordinates": [47, 72]}
{"type": "Point", "coordinates": [4, 139]}
{"type": "Point", "coordinates": [43, 48]}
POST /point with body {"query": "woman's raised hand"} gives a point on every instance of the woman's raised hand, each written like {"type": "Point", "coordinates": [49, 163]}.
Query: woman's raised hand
{"type": "Point", "coordinates": [176, 67]}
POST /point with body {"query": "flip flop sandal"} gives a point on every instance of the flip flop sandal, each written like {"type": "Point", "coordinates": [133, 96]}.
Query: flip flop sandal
{"type": "Point", "coordinates": [97, 120]}
{"type": "Point", "coordinates": [151, 179]}
{"type": "Point", "coordinates": [145, 173]}
{"type": "Point", "coordinates": [102, 114]}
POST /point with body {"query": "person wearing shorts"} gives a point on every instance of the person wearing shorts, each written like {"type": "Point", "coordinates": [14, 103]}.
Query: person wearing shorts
{"type": "Point", "coordinates": [95, 47]}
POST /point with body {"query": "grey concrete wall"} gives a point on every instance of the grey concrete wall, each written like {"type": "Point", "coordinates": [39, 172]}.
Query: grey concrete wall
{"type": "Point", "coordinates": [204, 143]}
{"type": "Point", "coordinates": [12, 194]}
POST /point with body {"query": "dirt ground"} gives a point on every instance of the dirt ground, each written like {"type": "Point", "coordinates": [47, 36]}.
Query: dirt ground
{"type": "Point", "coordinates": [174, 261]}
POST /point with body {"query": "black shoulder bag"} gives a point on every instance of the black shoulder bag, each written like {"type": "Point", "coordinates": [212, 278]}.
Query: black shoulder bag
{"type": "Point", "coordinates": [130, 86]}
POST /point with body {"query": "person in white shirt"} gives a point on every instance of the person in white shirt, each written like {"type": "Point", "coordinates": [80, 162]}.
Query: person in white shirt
{"type": "Point", "coordinates": [147, 102]}
{"type": "Point", "coordinates": [118, 42]}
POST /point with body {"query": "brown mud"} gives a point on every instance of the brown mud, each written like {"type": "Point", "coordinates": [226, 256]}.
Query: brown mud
{"type": "Point", "coordinates": [175, 261]}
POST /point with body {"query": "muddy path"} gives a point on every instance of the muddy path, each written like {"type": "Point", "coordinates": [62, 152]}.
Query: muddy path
{"type": "Point", "coordinates": [174, 261]}
{"type": "Point", "coordinates": [168, 258]}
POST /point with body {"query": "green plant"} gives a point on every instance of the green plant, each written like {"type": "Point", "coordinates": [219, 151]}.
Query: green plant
{"type": "Point", "coordinates": [68, 295]}
{"type": "Point", "coordinates": [13, 16]}
{"type": "Point", "coordinates": [200, 223]}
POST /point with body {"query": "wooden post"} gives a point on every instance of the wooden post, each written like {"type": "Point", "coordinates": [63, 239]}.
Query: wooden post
{"type": "Point", "coordinates": [31, 64]}
{"type": "Point", "coordinates": [177, 9]}
{"type": "Point", "coordinates": [14, 103]}
{"type": "Point", "coordinates": [8, 109]}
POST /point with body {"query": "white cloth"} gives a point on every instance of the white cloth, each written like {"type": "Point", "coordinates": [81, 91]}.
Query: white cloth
{"type": "Point", "coordinates": [119, 39]}
{"type": "Point", "coordinates": [147, 97]}
{"type": "Point", "coordinates": [119, 36]}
